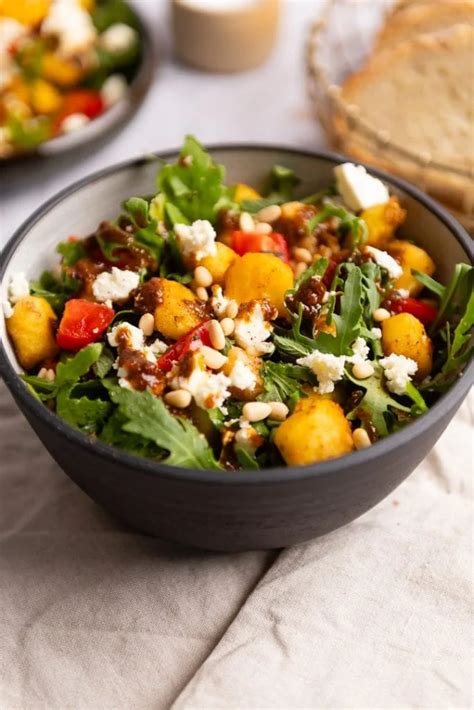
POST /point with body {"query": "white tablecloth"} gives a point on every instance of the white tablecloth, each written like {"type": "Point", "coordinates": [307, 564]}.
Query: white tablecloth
{"type": "Point", "coordinates": [93, 615]}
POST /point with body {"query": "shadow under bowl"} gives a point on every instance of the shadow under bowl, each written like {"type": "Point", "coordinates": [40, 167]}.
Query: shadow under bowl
{"type": "Point", "coordinates": [245, 510]}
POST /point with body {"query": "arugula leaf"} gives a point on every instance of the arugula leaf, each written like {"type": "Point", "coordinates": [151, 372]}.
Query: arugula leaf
{"type": "Point", "coordinates": [194, 185]}
{"type": "Point", "coordinates": [103, 364]}
{"type": "Point", "coordinates": [148, 417]}
{"type": "Point", "coordinates": [69, 372]}
{"type": "Point", "coordinates": [348, 322]}
{"type": "Point", "coordinates": [375, 403]}
{"type": "Point", "coordinates": [456, 294]}
{"type": "Point", "coordinates": [317, 268]}
{"type": "Point", "coordinates": [245, 458]}
{"type": "Point", "coordinates": [71, 251]}
{"type": "Point", "coordinates": [146, 234]}
{"type": "Point", "coordinates": [113, 434]}
{"type": "Point", "coordinates": [27, 134]}
{"type": "Point", "coordinates": [371, 276]}
{"type": "Point", "coordinates": [429, 283]}
{"type": "Point", "coordinates": [55, 291]}
{"type": "Point", "coordinates": [84, 413]}
{"type": "Point", "coordinates": [282, 380]}
{"type": "Point", "coordinates": [349, 223]}
{"type": "Point", "coordinates": [44, 389]}
{"type": "Point", "coordinates": [281, 182]}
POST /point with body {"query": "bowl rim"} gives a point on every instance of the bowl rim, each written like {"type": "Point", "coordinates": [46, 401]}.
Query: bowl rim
{"type": "Point", "coordinates": [276, 474]}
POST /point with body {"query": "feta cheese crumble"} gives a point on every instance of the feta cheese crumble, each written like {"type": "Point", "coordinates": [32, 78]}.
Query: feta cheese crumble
{"type": "Point", "coordinates": [71, 25]}
{"type": "Point", "coordinates": [209, 390]}
{"type": "Point", "coordinates": [196, 240]}
{"type": "Point", "coordinates": [327, 368]}
{"type": "Point", "coordinates": [113, 89]}
{"type": "Point", "coordinates": [358, 189]}
{"type": "Point", "coordinates": [242, 376]}
{"type": "Point", "coordinates": [126, 335]}
{"type": "Point", "coordinates": [398, 371]}
{"type": "Point", "coordinates": [384, 260]}
{"type": "Point", "coordinates": [74, 122]}
{"type": "Point", "coordinates": [115, 285]}
{"type": "Point", "coordinates": [18, 288]}
{"type": "Point", "coordinates": [158, 347]}
{"type": "Point", "coordinates": [118, 38]}
{"type": "Point", "coordinates": [219, 302]}
{"type": "Point", "coordinates": [248, 438]}
{"type": "Point", "coordinates": [252, 330]}
{"type": "Point", "coordinates": [360, 350]}
{"type": "Point", "coordinates": [7, 309]}
{"type": "Point", "coordinates": [376, 333]}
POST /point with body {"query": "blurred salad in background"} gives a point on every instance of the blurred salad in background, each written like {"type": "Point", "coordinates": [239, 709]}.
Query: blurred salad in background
{"type": "Point", "coordinates": [62, 64]}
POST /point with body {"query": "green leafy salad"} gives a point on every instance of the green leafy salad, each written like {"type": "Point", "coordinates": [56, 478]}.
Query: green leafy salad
{"type": "Point", "coordinates": [214, 326]}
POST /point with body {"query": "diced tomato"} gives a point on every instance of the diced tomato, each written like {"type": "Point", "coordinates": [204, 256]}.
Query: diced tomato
{"type": "Point", "coordinates": [194, 339]}
{"type": "Point", "coordinates": [425, 312]}
{"type": "Point", "coordinates": [273, 243]}
{"type": "Point", "coordinates": [84, 101]}
{"type": "Point", "coordinates": [83, 322]}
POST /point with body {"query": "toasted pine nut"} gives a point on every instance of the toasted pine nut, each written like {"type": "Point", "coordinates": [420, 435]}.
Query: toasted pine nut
{"type": "Point", "coordinates": [42, 373]}
{"type": "Point", "coordinates": [256, 411]}
{"type": "Point", "coordinates": [246, 222]}
{"type": "Point", "coordinates": [269, 214]}
{"type": "Point", "coordinates": [263, 228]}
{"type": "Point", "coordinates": [147, 324]}
{"type": "Point", "coordinates": [227, 325]}
{"type": "Point", "coordinates": [50, 375]}
{"type": "Point", "coordinates": [202, 276]}
{"type": "Point", "coordinates": [300, 268]}
{"type": "Point", "coordinates": [361, 438]}
{"type": "Point", "coordinates": [279, 410]}
{"type": "Point", "coordinates": [213, 358]}
{"type": "Point", "coordinates": [302, 254]}
{"type": "Point", "coordinates": [201, 293]}
{"type": "Point", "coordinates": [381, 314]}
{"type": "Point", "coordinates": [232, 309]}
{"type": "Point", "coordinates": [179, 399]}
{"type": "Point", "coordinates": [216, 335]}
{"type": "Point", "coordinates": [362, 370]}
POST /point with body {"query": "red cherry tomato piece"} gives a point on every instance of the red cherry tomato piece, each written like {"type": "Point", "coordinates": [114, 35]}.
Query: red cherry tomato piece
{"type": "Point", "coordinates": [273, 243]}
{"type": "Point", "coordinates": [84, 101]}
{"type": "Point", "coordinates": [192, 340]}
{"type": "Point", "coordinates": [83, 322]}
{"type": "Point", "coordinates": [425, 312]}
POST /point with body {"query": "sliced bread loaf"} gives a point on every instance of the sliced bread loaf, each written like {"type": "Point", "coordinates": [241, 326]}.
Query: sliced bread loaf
{"type": "Point", "coordinates": [426, 17]}
{"type": "Point", "coordinates": [421, 95]}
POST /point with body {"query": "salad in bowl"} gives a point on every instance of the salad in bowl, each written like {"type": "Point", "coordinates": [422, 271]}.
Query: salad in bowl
{"type": "Point", "coordinates": [213, 326]}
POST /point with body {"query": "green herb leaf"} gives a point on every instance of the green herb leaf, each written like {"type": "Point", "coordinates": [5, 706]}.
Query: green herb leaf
{"type": "Point", "coordinates": [281, 182]}
{"type": "Point", "coordinates": [148, 417]}
{"type": "Point", "coordinates": [349, 223]}
{"type": "Point", "coordinates": [55, 291]}
{"type": "Point", "coordinates": [104, 363]}
{"type": "Point", "coordinates": [375, 403]}
{"type": "Point", "coordinates": [317, 268]}
{"type": "Point", "coordinates": [83, 413]}
{"type": "Point", "coordinates": [429, 283]}
{"type": "Point", "coordinates": [69, 372]}
{"type": "Point", "coordinates": [282, 380]}
{"type": "Point", "coordinates": [71, 251]}
{"type": "Point", "coordinates": [245, 458]}
{"type": "Point", "coordinates": [113, 434]}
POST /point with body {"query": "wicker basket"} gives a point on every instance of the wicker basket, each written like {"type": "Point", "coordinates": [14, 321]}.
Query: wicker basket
{"type": "Point", "coordinates": [339, 42]}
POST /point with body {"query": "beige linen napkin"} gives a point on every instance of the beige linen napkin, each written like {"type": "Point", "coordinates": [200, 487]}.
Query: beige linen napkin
{"type": "Point", "coordinates": [94, 615]}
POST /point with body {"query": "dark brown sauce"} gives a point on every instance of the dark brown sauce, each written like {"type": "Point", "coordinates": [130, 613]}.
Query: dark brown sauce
{"type": "Point", "coordinates": [141, 373]}
{"type": "Point", "coordinates": [149, 296]}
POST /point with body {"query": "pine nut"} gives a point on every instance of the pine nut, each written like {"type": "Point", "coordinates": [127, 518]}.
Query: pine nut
{"type": "Point", "coordinates": [50, 375]}
{"type": "Point", "coordinates": [269, 214]}
{"type": "Point", "coordinates": [300, 268]}
{"type": "Point", "coordinates": [202, 276]}
{"type": "Point", "coordinates": [246, 222]}
{"type": "Point", "coordinates": [147, 324]}
{"type": "Point", "coordinates": [216, 335]}
{"type": "Point", "coordinates": [381, 314]}
{"type": "Point", "coordinates": [256, 411]}
{"type": "Point", "coordinates": [302, 254]}
{"type": "Point", "coordinates": [232, 309]}
{"type": "Point", "coordinates": [213, 358]}
{"type": "Point", "coordinates": [179, 399]}
{"type": "Point", "coordinates": [361, 439]}
{"type": "Point", "coordinates": [279, 411]}
{"type": "Point", "coordinates": [227, 325]}
{"type": "Point", "coordinates": [362, 370]}
{"type": "Point", "coordinates": [42, 373]}
{"type": "Point", "coordinates": [263, 228]}
{"type": "Point", "coordinates": [201, 293]}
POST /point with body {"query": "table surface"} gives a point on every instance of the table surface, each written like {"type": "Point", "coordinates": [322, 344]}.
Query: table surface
{"type": "Point", "coordinates": [93, 615]}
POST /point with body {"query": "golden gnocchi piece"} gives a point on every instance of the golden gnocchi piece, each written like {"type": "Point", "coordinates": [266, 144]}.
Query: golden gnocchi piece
{"type": "Point", "coordinates": [316, 431]}
{"type": "Point", "coordinates": [255, 276]}
{"type": "Point", "coordinates": [218, 264]}
{"type": "Point", "coordinates": [179, 311]}
{"type": "Point", "coordinates": [411, 257]}
{"type": "Point", "coordinates": [382, 221]}
{"type": "Point", "coordinates": [403, 334]}
{"type": "Point", "coordinates": [245, 192]}
{"type": "Point", "coordinates": [31, 328]}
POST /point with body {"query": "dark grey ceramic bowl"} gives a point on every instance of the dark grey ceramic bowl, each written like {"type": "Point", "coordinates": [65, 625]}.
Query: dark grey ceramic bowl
{"type": "Point", "coordinates": [228, 511]}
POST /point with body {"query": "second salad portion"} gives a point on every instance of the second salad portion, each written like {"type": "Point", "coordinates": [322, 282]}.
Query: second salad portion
{"type": "Point", "coordinates": [209, 326]}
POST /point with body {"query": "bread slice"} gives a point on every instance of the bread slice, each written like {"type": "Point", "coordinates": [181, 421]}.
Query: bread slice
{"type": "Point", "coordinates": [420, 94]}
{"type": "Point", "coordinates": [403, 4]}
{"type": "Point", "coordinates": [422, 18]}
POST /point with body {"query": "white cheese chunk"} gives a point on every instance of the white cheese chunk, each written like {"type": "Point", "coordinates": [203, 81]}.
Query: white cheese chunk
{"type": "Point", "coordinates": [252, 331]}
{"type": "Point", "coordinates": [358, 189]}
{"type": "Point", "coordinates": [376, 333]}
{"type": "Point", "coordinates": [11, 32]}
{"type": "Point", "coordinates": [74, 122]}
{"type": "Point", "coordinates": [219, 302]}
{"type": "Point", "coordinates": [115, 285]}
{"type": "Point", "coordinates": [360, 350]}
{"type": "Point", "coordinates": [126, 335]}
{"type": "Point", "coordinates": [118, 38]}
{"type": "Point", "coordinates": [113, 89]}
{"type": "Point", "coordinates": [18, 288]}
{"type": "Point", "coordinates": [196, 240]}
{"type": "Point", "coordinates": [398, 371]}
{"type": "Point", "coordinates": [71, 25]}
{"type": "Point", "coordinates": [248, 438]}
{"type": "Point", "coordinates": [242, 376]}
{"type": "Point", "coordinates": [158, 347]}
{"type": "Point", "coordinates": [7, 309]}
{"type": "Point", "coordinates": [208, 389]}
{"type": "Point", "coordinates": [385, 261]}
{"type": "Point", "coordinates": [327, 368]}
